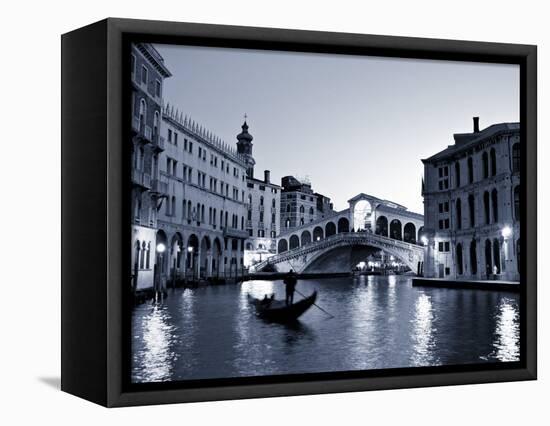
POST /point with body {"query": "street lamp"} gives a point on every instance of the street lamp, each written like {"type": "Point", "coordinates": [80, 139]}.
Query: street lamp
{"type": "Point", "coordinates": [191, 262]}
{"type": "Point", "coordinates": [506, 232]}
{"type": "Point", "coordinates": [160, 249]}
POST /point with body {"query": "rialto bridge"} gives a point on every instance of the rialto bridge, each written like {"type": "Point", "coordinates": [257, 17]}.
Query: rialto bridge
{"type": "Point", "coordinates": [368, 222]}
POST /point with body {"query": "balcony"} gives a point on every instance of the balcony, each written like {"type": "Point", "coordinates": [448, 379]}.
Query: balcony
{"type": "Point", "coordinates": [142, 179]}
{"type": "Point", "coordinates": [143, 132]}
{"type": "Point", "coordinates": [261, 225]}
{"type": "Point", "coordinates": [158, 142]}
{"type": "Point", "coordinates": [159, 187]}
{"type": "Point", "coordinates": [261, 208]}
{"type": "Point", "coordinates": [234, 233]}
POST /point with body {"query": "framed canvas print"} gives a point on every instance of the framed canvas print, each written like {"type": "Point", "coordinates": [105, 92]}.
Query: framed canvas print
{"type": "Point", "coordinates": [252, 212]}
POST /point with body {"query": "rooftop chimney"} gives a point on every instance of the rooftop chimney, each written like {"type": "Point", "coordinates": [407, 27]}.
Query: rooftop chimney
{"type": "Point", "coordinates": [476, 124]}
{"type": "Point", "coordinates": [266, 176]}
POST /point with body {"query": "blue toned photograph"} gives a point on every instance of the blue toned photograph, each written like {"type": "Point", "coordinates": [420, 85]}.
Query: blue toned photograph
{"type": "Point", "coordinates": [297, 213]}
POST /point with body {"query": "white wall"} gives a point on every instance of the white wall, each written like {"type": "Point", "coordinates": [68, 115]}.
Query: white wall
{"type": "Point", "coordinates": [30, 172]}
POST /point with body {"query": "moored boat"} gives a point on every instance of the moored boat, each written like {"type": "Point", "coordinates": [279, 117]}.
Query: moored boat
{"type": "Point", "coordinates": [278, 311]}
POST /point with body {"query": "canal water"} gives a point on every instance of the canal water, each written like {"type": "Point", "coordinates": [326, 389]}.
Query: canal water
{"type": "Point", "coordinates": [379, 322]}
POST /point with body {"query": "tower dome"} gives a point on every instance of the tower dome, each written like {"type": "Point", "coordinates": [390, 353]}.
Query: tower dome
{"type": "Point", "coordinates": [244, 147]}
{"type": "Point", "coordinates": [244, 135]}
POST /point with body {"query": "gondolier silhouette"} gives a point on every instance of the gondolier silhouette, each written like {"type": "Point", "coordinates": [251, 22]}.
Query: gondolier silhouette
{"type": "Point", "coordinates": [290, 286]}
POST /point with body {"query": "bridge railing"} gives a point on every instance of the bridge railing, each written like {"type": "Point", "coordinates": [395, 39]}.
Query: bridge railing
{"type": "Point", "coordinates": [353, 237]}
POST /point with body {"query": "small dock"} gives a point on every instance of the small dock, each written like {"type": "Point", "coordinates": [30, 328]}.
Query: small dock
{"type": "Point", "coordinates": [495, 285]}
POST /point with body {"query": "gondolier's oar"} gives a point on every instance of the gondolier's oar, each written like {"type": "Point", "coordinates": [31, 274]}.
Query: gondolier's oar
{"type": "Point", "coordinates": [305, 297]}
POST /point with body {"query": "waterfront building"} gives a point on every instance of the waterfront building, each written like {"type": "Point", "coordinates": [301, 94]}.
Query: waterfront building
{"type": "Point", "coordinates": [147, 75]}
{"type": "Point", "coordinates": [472, 206]}
{"type": "Point", "coordinates": [298, 203]}
{"type": "Point", "coordinates": [263, 206]}
{"type": "Point", "coordinates": [202, 214]}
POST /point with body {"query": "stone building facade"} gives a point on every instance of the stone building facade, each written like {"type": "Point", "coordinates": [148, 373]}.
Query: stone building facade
{"type": "Point", "coordinates": [298, 203]}
{"type": "Point", "coordinates": [147, 75]}
{"type": "Point", "coordinates": [472, 206]}
{"type": "Point", "coordinates": [201, 219]}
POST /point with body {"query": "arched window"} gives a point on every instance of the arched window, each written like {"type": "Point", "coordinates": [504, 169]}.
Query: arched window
{"type": "Point", "coordinates": [470, 170]}
{"type": "Point", "coordinates": [261, 201]}
{"type": "Point", "coordinates": [302, 209]}
{"type": "Point", "coordinates": [273, 203]}
{"type": "Point", "coordinates": [459, 263]}
{"type": "Point", "coordinates": [486, 207]}
{"type": "Point", "coordinates": [516, 155]}
{"type": "Point", "coordinates": [343, 225]}
{"type": "Point", "coordinates": [496, 255]}
{"type": "Point", "coordinates": [494, 204]}
{"type": "Point", "coordinates": [330, 229]}
{"type": "Point", "coordinates": [458, 213]}
{"type": "Point", "coordinates": [273, 218]}
{"type": "Point", "coordinates": [189, 210]}
{"type": "Point", "coordinates": [409, 233]}
{"type": "Point", "coordinates": [493, 162]}
{"type": "Point", "coordinates": [137, 248]}
{"type": "Point", "coordinates": [318, 233]}
{"type": "Point", "coordinates": [142, 255]}
{"type": "Point", "coordinates": [282, 246]}
{"type": "Point", "coordinates": [148, 256]}
{"type": "Point", "coordinates": [142, 113]}
{"type": "Point", "coordinates": [249, 201]}
{"type": "Point", "coordinates": [516, 202]}
{"type": "Point", "coordinates": [287, 223]}
{"type": "Point", "coordinates": [311, 211]}
{"type": "Point", "coordinates": [473, 257]}
{"type": "Point", "coordinates": [294, 242]}
{"type": "Point", "coordinates": [472, 210]}
{"type": "Point", "coordinates": [288, 208]}
{"type": "Point", "coordinates": [381, 226]}
{"type": "Point", "coordinates": [488, 258]}
{"type": "Point", "coordinates": [305, 238]}
{"type": "Point", "coordinates": [249, 214]}
{"type": "Point", "coordinates": [485, 161]}
{"type": "Point", "coordinates": [395, 230]}
{"type": "Point", "coordinates": [156, 124]}
{"type": "Point", "coordinates": [457, 173]}
{"type": "Point", "coordinates": [173, 205]}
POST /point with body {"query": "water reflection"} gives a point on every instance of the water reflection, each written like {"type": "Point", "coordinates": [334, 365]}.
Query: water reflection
{"type": "Point", "coordinates": [507, 331]}
{"type": "Point", "coordinates": [423, 332]}
{"type": "Point", "coordinates": [379, 322]}
{"type": "Point", "coordinates": [155, 357]}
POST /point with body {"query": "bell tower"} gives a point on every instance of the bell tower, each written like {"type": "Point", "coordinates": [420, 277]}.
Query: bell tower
{"type": "Point", "coordinates": [244, 147]}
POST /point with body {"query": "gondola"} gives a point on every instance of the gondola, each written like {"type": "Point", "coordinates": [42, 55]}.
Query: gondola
{"type": "Point", "coordinates": [274, 310]}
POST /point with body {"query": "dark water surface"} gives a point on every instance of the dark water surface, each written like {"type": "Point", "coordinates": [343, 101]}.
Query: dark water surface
{"type": "Point", "coordinates": [380, 322]}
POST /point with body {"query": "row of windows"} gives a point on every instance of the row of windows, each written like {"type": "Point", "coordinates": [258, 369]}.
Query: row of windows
{"type": "Point", "coordinates": [273, 216]}
{"type": "Point", "coordinates": [198, 213]}
{"type": "Point", "coordinates": [144, 76]}
{"type": "Point", "coordinates": [142, 255]}
{"type": "Point", "coordinates": [490, 208]}
{"type": "Point", "coordinates": [489, 167]}
{"type": "Point", "coordinates": [493, 258]}
{"type": "Point", "coordinates": [301, 209]}
{"type": "Point", "coordinates": [261, 187]}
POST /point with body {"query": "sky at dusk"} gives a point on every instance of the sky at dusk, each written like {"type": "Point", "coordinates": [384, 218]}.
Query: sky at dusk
{"type": "Point", "coordinates": [350, 124]}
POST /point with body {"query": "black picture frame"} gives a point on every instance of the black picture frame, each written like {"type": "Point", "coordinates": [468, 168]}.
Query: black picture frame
{"type": "Point", "coordinates": [95, 209]}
